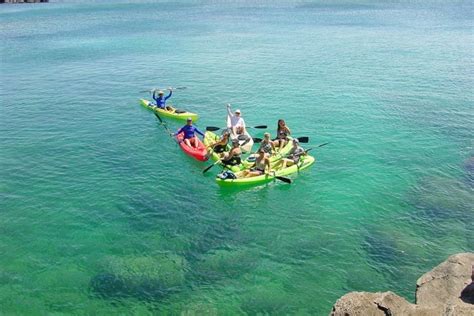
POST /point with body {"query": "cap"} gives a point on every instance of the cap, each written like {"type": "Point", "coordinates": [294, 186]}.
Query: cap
{"type": "Point", "coordinates": [266, 134]}
{"type": "Point", "coordinates": [237, 111]}
{"type": "Point", "coordinates": [189, 119]}
{"type": "Point", "coordinates": [296, 141]}
{"type": "Point", "coordinates": [160, 92]}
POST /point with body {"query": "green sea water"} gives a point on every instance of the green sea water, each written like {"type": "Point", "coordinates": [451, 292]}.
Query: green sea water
{"type": "Point", "coordinates": [101, 213]}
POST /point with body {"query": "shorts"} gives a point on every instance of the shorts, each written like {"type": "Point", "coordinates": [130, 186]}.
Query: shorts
{"type": "Point", "coordinates": [219, 148]}
{"type": "Point", "coordinates": [232, 162]}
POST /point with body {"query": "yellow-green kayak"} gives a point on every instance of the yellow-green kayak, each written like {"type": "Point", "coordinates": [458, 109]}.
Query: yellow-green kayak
{"type": "Point", "coordinates": [304, 163]}
{"type": "Point", "coordinates": [174, 113]}
{"type": "Point", "coordinates": [211, 137]}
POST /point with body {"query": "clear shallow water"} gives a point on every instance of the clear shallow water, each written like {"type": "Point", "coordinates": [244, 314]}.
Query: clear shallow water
{"type": "Point", "coordinates": [101, 212]}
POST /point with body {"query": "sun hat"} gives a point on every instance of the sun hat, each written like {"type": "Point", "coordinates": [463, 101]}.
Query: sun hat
{"type": "Point", "coordinates": [189, 119]}
{"type": "Point", "coordinates": [160, 92]}
{"type": "Point", "coordinates": [237, 111]}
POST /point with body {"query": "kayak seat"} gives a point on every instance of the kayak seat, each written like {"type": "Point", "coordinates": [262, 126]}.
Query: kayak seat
{"type": "Point", "coordinates": [179, 111]}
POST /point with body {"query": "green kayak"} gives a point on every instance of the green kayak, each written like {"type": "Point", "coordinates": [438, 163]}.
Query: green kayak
{"type": "Point", "coordinates": [174, 113]}
{"type": "Point", "coordinates": [210, 138]}
{"type": "Point", "coordinates": [304, 163]}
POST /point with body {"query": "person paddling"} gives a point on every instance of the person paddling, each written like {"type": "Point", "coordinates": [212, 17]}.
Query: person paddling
{"type": "Point", "coordinates": [293, 156]}
{"type": "Point", "coordinates": [189, 131]}
{"type": "Point", "coordinates": [282, 135]}
{"type": "Point", "coordinates": [232, 158]}
{"type": "Point", "coordinates": [160, 100]}
{"type": "Point", "coordinates": [235, 122]}
{"type": "Point", "coordinates": [261, 163]}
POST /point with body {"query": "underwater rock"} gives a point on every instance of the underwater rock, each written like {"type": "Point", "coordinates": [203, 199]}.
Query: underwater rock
{"type": "Point", "coordinates": [268, 299]}
{"type": "Point", "coordinates": [440, 198]}
{"type": "Point", "coordinates": [438, 293]}
{"type": "Point", "coordinates": [148, 278]}
{"type": "Point", "coordinates": [381, 247]}
{"type": "Point", "coordinates": [469, 171]}
{"type": "Point", "coordinates": [222, 264]}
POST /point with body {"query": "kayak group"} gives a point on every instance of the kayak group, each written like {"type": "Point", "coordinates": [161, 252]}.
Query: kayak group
{"type": "Point", "coordinates": [274, 159]}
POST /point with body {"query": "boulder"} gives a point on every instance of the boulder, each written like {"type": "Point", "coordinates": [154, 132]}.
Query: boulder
{"type": "Point", "coordinates": [443, 285]}
{"type": "Point", "coordinates": [447, 290]}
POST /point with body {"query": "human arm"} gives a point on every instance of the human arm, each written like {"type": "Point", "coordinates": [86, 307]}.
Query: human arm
{"type": "Point", "coordinates": [229, 111]}
{"type": "Point", "coordinates": [154, 95]}
{"type": "Point", "coordinates": [198, 131]}
{"type": "Point", "coordinates": [169, 95]}
{"type": "Point", "coordinates": [179, 131]}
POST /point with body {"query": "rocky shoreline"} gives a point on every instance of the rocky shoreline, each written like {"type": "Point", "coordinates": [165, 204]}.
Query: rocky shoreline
{"type": "Point", "coordinates": [447, 290]}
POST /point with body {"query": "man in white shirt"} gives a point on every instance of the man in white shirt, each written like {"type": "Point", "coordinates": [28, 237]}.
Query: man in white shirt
{"type": "Point", "coordinates": [235, 122]}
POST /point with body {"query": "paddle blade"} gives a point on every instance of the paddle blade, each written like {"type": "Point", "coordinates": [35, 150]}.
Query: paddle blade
{"type": "Point", "coordinates": [260, 126]}
{"type": "Point", "coordinates": [257, 140]}
{"type": "Point", "coordinates": [212, 128]}
{"type": "Point", "coordinates": [303, 139]}
{"type": "Point", "coordinates": [158, 117]}
{"type": "Point", "coordinates": [284, 179]}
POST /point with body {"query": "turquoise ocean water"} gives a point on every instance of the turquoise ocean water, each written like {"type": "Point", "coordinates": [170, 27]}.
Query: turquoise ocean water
{"type": "Point", "coordinates": [100, 212]}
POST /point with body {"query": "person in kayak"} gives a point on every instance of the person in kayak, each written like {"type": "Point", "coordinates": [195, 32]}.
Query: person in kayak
{"type": "Point", "coordinates": [232, 158]}
{"type": "Point", "coordinates": [267, 145]}
{"type": "Point", "coordinates": [261, 163]}
{"type": "Point", "coordinates": [221, 145]}
{"type": "Point", "coordinates": [282, 135]}
{"type": "Point", "coordinates": [189, 131]}
{"type": "Point", "coordinates": [160, 100]}
{"type": "Point", "coordinates": [293, 156]}
{"type": "Point", "coordinates": [235, 123]}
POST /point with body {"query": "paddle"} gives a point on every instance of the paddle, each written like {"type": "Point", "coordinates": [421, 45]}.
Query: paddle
{"type": "Point", "coordinates": [316, 147]}
{"type": "Point", "coordinates": [284, 179]}
{"type": "Point", "coordinates": [208, 168]}
{"type": "Point", "coordinates": [154, 89]}
{"type": "Point", "coordinates": [298, 165]}
{"type": "Point", "coordinates": [171, 134]}
{"type": "Point", "coordinates": [215, 128]}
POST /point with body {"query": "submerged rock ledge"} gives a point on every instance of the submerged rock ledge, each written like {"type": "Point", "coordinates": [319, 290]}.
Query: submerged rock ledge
{"type": "Point", "coordinates": [447, 290]}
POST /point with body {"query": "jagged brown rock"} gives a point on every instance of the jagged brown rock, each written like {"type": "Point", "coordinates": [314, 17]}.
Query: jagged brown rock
{"type": "Point", "coordinates": [444, 291]}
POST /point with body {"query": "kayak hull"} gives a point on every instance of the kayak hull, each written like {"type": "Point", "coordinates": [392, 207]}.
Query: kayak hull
{"type": "Point", "coordinates": [306, 162]}
{"type": "Point", "coordinates": [199, 153]}
{"type": "Point", "coordinates": [169, 114]}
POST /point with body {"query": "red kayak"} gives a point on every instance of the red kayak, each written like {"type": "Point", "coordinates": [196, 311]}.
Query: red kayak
{"type": "Point", "coordinates": [199, 153]}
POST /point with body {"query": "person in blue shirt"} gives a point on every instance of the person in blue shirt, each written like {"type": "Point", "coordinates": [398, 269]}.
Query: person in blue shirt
{"type": "Point", "coordinates": [160, 100]}
{"type": "Point", "coordinates": [189, 131]}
